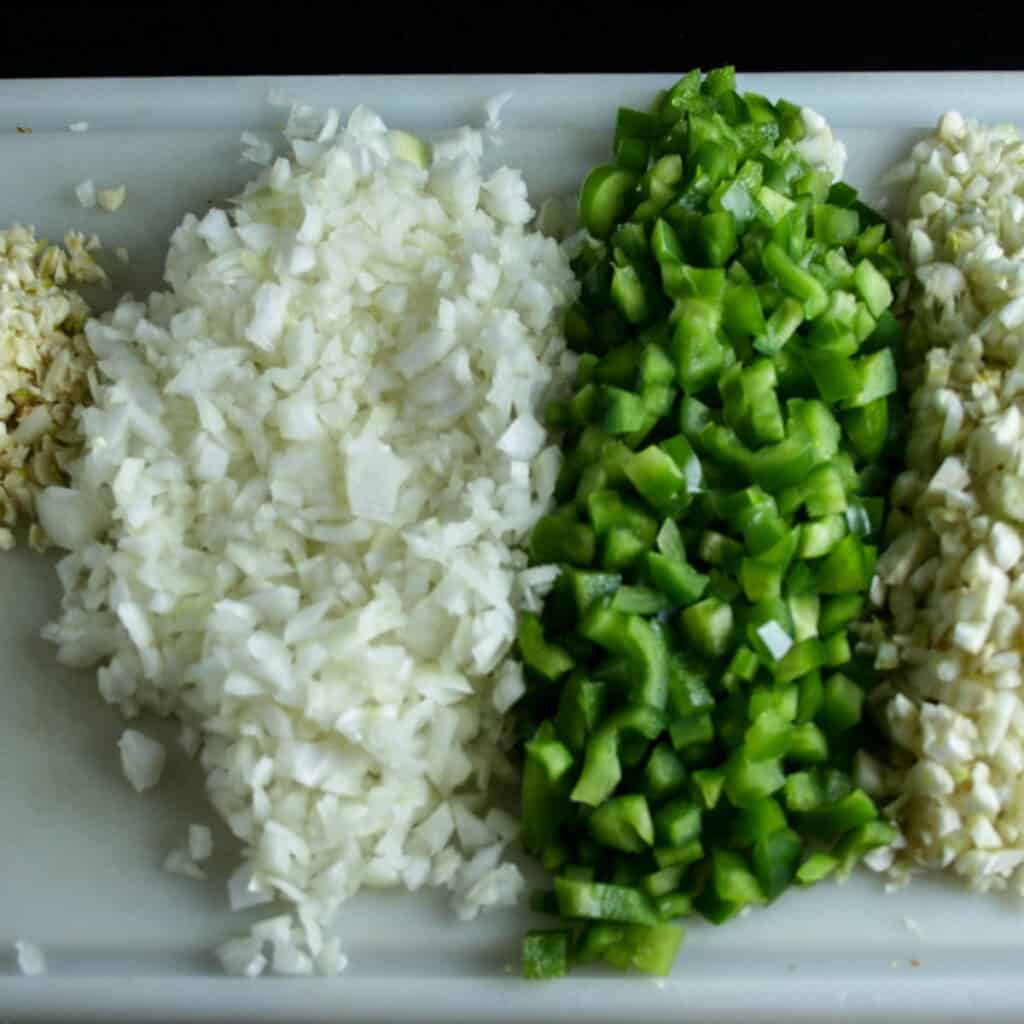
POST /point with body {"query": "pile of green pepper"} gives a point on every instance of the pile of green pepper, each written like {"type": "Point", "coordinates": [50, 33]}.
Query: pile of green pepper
{"type": "Point", "coordinates": [694, 700]}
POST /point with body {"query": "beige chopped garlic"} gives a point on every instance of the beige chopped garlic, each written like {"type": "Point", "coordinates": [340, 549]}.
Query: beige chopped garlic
{"type": "Point", "coordinates": [952, 583]}
{"type": "Point", "coordinates": [111, 199]}
{"type": "Point", "coordinates": [44, 360]}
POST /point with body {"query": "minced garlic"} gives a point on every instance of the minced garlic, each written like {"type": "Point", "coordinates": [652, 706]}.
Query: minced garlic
{"type": "Point", "coordinates": [44, 361]}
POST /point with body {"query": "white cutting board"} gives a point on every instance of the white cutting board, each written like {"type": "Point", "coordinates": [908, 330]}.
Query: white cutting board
{"type": "Point", "coordinates": [80, 852]}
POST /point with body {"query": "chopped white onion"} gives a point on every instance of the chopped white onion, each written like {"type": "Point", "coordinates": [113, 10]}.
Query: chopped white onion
{"type": "Point", "coordinates": [297, 524]}
{"type": "Point", "coordinates": [775, 638]}
{"type": "Point", "coordinates": [142, 759]}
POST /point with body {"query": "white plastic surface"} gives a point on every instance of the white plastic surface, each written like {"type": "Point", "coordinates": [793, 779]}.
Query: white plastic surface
{"type": "Point", "coordinates": [80, 852]}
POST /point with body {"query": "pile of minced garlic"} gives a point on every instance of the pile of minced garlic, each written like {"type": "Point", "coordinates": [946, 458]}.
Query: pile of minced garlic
{"type": "Point", "coordinates": [953, 579]}
{"type": "Point", "coordinates": [44, 361]}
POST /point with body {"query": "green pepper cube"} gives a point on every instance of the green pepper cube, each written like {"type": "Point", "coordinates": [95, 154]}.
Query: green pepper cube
{"type": "Point", "coordinates": [816, 868]}
{"type": "Point", "coordinates": [630, 295]}
{"type": "Point", "coordinates": [587, 587]}
{"type": "Point", "coordinates": [679, 856]}
{"type": "Point", "coordinates": [677, 823]}
{"type": "Point", "coordinates": [690, 730]}
{"type": "Point", "coordinates": [782, 700]}
{"type": "Point", "coordinates": [836, 650]}
{"type": "Point", "coordinates": [620, 548]}
{"type": "Point", "coordinates": [708, 626]}
{"type": "Point", "coordinates": [863, 324]}
{"type": "Point", "coordinates": [861, 840]}
{"type": "Point", "coordinates": [757, 822]}
{"type": "Point", "coordinates": [767, 535]}
{"type": "Point", "coordinates": [632, 154]}
{"type": "Point", "coordinates": [559, 538]}
{"type": "Point", "coordinates": [772, 206]}
{"type": "Point", "coordinates": [872, 287]}
{"type": "Point", "coordinates": [580, 708]}
{"type": "Point", "coordinates": [679, 581]}
{"type": "Point", "coordinates": [719, 550]}
{"type": "Point", "coordinates": [825, 493]}
{"type": "Point", "coordinates": [768, 736]}
{"type": "Point", "coordinates": [708, 784]}
{"type": "Point", "coordinates": [795, 280]}
{"type": "Point", "coordinates": [545, 775]}
{"type": "Point", "coordinates": [683, 455]}
{"type": "Point", "coordinates": [846, 569]}
{"type": "Point", "coordinates": [664, 773]}
{"type": "Point", "coordinates": [867, 428]}
{"type": "Point", "coordinates": [548, 659]}
{"type": "Point", "coordinates": [744, 663]}
{"type": "Point", "coordinates": [665, 243]}
{"type": "Point", "coordinates": [716, 238]}
{"type": "Point", "coordinates": [670, 541]}
{"type": "Point", "coordinates": [800, 659]}
{"type": "Point", "coordinates": [805, 611]}
{"type": "Point", "coordinates": [811, 694]}
{"type": "Point", "coordinates": [650, 949]}
{"type": "Point", "coordinates": [747, 780]}
{"type": "Point", "coordinates": [761, 580]}
{"type": "Point", "coordinates": [835, 784]}
{"type": "Point", "coordinates": [839, 611]}
{"type": "Point", "coordinates": [807, 744]}
{"type": "Point", "coordinates": [742, 314]}
{"type": "Point", "coordinates": [700, 354]}
{"type": "Point", "coordinates": [620, 411]}
{"type": "Point", "coordinates": [607, 509]}
{"type": "Point", "coordinates": [820, 537]}
{"type": "Point", "coordinates": [663, 881]}
{"type": "Point", "coordinates": [605, 199]}
{"type": "Point", "coordinates": [877, 377]}
{"type": "Point", "coordinates": [842, 702]}
{"type": "Point", "coordinates": [683, 281]}
{"type": "Point", "coordinates": [602, 769]}
{"type": "Point", "coordinates": [721, 445]}
{"type": "Point", "coordinates": [638, 600]}
{"type": "Point", "coordinates": [732, 879]}
{"type": "Point", "coordinates": [546, 954]}
{"type": "Point", "coordinates": [675, 904]}
{"type": "Point", "coordinates": [834, 225]}
{"type": "Point", "coordinates": [656, 367]}
{"type": "Point", "coordinates": [623, 823]}
{"type": "Point", "coordinates": [656, 476]}
{"type": "Point", "coordinates": [635, 124]}
{"type": "Point", "coordinates": [603, 902]}
{"type": "Point", "coordinates": [783, 464]}
{"type": "Point", "coordinates": [647, 651]}
{"type": "Point", "coordinates": [781, 326]}
{"type": "Point", "coordinates": [606, 627]}
{"type": "Point", "coordinates": [802, 792]}
{"type": "Point", "coordinates": [871, 238]}
{"type": "Point", "coordinates": [836, 376]}
{"type": "Point", "coordinates": [688, 691]}
{"type": "Point", "coordinates": [594, 939]}
{"type": "Point", "coordinates": [775, 857]}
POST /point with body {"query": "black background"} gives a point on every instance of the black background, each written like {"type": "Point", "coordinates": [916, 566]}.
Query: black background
{"type": "Point", "coordinates": [37, 40]}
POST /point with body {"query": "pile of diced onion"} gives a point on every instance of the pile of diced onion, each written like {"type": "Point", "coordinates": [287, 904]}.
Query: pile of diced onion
{"type": "Point", "coordinates": [297, 525]}
{"type": "Point", "coordinates": [953, 579]}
